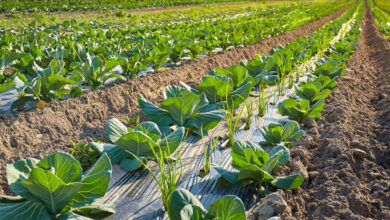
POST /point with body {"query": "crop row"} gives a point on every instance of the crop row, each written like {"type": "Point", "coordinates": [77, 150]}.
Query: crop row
{"type": "Point", "coordinates": [56, 188]}
{"type": "Point", "coordinates": [25, 6]}
{"type": "Point", "coordinates": [382, 18]}
{"type": "Point", "coordinates": [383, 4]}
{"type": "Point", "coordinates": [47, 63]}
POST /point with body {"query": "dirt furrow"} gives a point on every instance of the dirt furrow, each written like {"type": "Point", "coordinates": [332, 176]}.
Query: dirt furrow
{"type": "Point", "coordinates": [348, 154]}
{"type": "Point", "coordinates": [46, 130]}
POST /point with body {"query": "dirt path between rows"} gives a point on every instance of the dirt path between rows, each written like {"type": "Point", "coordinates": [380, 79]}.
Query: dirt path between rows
{"type": "Point", "coordinates": [47, 130]}
{"type": "Point", "coordinates": [348, 156]}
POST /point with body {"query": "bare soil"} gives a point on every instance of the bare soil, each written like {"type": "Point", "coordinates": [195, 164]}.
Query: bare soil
{"type": "Point", "coordinates": [348, 155]}
{"type": "Point", "coordinates": [47, 130]}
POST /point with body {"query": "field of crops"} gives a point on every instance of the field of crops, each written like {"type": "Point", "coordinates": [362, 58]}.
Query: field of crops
{"type": "Point", "coordinates": [26, 6]}
{"type": "Point", "coordinates": [231, 111]}
{"type": "Point", "coordinates": [383, 4]}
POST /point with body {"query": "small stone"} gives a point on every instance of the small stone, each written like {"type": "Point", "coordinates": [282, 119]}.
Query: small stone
{"type": "Point", "coordinates": [361, 154]}
{"type": "Point", "coordinates": [250, 217]}
{"type": "Point", "coordinates": [309, 122]}
{"type": "Point", "coordinates": [298, 152]}
{"type": "Point", "coordinates": [298, 167]}
{"type": "Point", "coordinates": [313, 131]}
{"type": "Point", "coordinates": [273, 205]}
{"type": "Point", "coordinates": [383, 96]}
{"type": "Point", "coordinates": [305, 141]}
{"type": "Point", "coordinates": [382, 103]}
{"type": "Point", "coordinates": [335, 149]}
{"type": "Point", "coordinates": [313, 174]}
{"type": "Point", "coordinates": [39, 136]}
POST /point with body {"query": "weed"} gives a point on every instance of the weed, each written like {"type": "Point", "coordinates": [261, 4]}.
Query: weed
{"type": "Point", "coordinates": [169, 172]}
{"type": "Point", "coordinates": [248, 119]}
{"type": "Point", "coordinates": [132, 121]}
{"type": "Point", "coordinates": [207, 154]}
{"type": "Point", "coordinates": [282, 85]}
{"type": "Point", "coordinates": [263, 102]}
{"type": "Point", "coordinates": [274, 97]}
{"type": "Point", "coordinates": [290, 81]}
{"type": "Point", "coordinates": [232, 122]}
{"type": "Point", "coordinates": [84, 153]}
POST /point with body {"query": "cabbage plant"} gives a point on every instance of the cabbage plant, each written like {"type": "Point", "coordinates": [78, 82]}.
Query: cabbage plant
{"type": "Point", "coordinates": [184, 205]}
{"type": "Point", "coordinates": [311, 91]}
{"type": "Point", "coordinates": [182, 108]}
{"type": "Point", "coordinates": [237, 73]}
{"type": "Point", "coordinates": [219, 89]}
{"type": "Point", "coordinates": [299, 110]}
{"type": "Point", "coordinates": [255, 165]}
{"type": "Point", "coordinates": [344, 48]}
{"type": "Point", "coordinates": [275, 134]}
{"type": "Point", "coordinates": [329, 68]}
{"type": "Point", "coordinates": [269, 69]}
{"type": "Point", "coordinates": [56, 188]}
{"type": "Point", "coordinates": [139, 141]}
{"type": "Point", "coordinates": [48, 84]}
{"type": "Point", "coordinates": [326, 81]}
{"type": "Point", "coordinates": [257, 69]}
{"type": "Point", "coordinates": [95, 72]}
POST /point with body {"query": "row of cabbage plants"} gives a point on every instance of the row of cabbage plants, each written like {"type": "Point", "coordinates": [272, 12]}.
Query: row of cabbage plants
{"type": "Point", "coordinates": [382, 18]}
{"type": "Point", "coordinates": [56, 188]}
{"type": "Point", "coordinates": [28, 6]}
{"type": "Point", "coordinates": [50, 63]}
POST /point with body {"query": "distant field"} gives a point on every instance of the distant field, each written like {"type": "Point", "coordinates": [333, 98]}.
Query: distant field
{"type": "Point", "coordinates": [119, 16]}
{"type": "Point", "coordinates": [383, 4]}
{"type": "Point", "coordinates": [11, 6]}
{"type": "Point", "coordinates": [140, 42]}
{"type": "Point", "coordinates": [135, 16]}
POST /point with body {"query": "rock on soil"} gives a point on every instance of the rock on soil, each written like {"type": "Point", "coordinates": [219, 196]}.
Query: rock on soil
{"type": "Point", "coordinates": [272, 205]}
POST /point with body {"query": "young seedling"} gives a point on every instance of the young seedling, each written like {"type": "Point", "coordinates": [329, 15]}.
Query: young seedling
{"type": "Point", "coordinates": [263, 102]}
{"type": "Point", "coordinates": [282, 85]}
{"type": "Point", "coordinates": [274, 97]}
{"type": "Point", "coordinates": [170, 171]}
{"type": "Point", "coordinates": [232, 122]}
{"type": "Point", "coordinates": [248, 119]}
{"type": "Point", "coordinates": [207, 154]}
{"type": "Point", "coordinates": [291, 80]}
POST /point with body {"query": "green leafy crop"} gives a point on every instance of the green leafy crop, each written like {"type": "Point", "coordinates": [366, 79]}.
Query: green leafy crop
{"type": "Point", "coordinates": [311, 91]}
{"type": "Point", "coordinates": [182, 108]}
{"type": "Point", "coordinates": [138, 141]}
{"type": "Point", "coordinates": [219, 89]}
{"type": "Point", "coordinates": [184, 205]}
{"type": "Point", "coordinates": [238, 74]}
{"type": "Point", "coordinates": [275, 134]}
{"type": "Point", "coordinates": [299, 110]}
{"type": "Point", "coordinates": [47, 85]}
{"type": "Point", "coordinates": [95, 72]}
{"type": "Point", "coordinates": [56, 188]}
{"type": "Point", "coordinates": [329, 68]}
{"type": "Point", "coordinates": [255, 165]}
